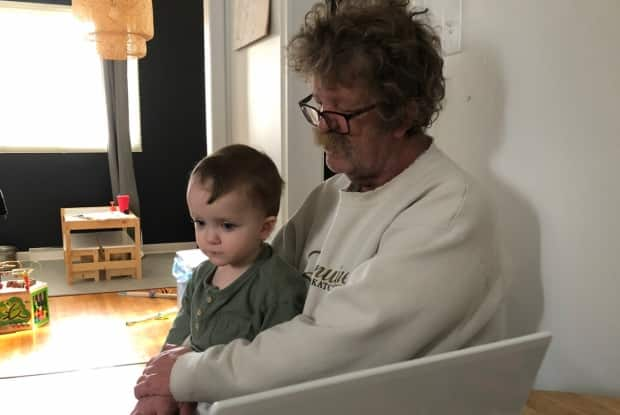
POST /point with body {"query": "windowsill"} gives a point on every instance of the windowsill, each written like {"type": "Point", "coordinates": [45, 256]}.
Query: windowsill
{"type": "Point", "coordinates": [43, 150]}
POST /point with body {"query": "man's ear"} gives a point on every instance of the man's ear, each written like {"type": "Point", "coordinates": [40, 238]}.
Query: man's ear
{"type": "Point", "coordinates": [268, 225]}
{"type": "Point", "coordinates": [401, 132]}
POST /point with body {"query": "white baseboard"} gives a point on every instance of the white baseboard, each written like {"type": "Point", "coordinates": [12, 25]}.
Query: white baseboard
{"type": "Point", "coordinates": [167, 247]}
{"type": "Point", "coordinates": [52, 253]}
{"type": "Point", "coordinates": [40, 254]}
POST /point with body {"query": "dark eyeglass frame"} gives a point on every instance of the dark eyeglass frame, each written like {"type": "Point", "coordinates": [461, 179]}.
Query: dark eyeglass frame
{"type": "Point", "coordinates": [304, 106]}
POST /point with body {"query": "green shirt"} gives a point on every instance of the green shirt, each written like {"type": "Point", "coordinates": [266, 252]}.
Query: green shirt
{"type": "Point", "coordinates": [268, 293]}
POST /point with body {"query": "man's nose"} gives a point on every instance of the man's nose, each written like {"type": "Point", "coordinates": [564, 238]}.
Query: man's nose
{"type": "Point", "coordinates": [323, 127]}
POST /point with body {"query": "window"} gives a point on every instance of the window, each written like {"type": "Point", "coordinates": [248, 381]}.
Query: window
{"type": "Point", "coordinates": [52, 95]}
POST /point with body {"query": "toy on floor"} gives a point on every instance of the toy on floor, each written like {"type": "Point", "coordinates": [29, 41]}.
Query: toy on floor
{"type": "Point", "coordinates": [162, 315]}
{"type": "Point", "coordinates": [155, 293]}
{"type": "Point", "coordinates": [23, 300]}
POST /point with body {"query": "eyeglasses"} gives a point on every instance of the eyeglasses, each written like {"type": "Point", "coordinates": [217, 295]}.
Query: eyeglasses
{"type": "Point", "coordinates": [337, 122]}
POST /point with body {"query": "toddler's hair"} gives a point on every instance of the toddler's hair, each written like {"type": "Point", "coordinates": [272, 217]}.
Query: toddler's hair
{"type": "Point", "coordinates": [238, 166]}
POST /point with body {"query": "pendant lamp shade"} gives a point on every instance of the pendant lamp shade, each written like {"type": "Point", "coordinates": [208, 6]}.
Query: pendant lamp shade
{"type": "Point", "coordinates": [119, 27]}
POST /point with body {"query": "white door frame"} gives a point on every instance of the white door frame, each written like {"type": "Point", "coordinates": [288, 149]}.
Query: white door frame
{"type": "Point", "coordinates": [302, 160]}
{"type": "Point", "coordinates": [216, 67]}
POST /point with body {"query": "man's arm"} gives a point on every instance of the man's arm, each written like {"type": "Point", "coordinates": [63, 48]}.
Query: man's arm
{"type": "Point", "coordinates": [155, 377]}
{"type": "Point", "coordinates": [285, 300]}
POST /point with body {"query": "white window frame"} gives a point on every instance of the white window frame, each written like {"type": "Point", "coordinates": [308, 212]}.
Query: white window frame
{"type": "Point", "coordinates": [51, 97]}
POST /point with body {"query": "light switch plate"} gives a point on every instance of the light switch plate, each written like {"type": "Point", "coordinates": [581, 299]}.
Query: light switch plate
{"type": "Point", "coordinates": [451, 26]}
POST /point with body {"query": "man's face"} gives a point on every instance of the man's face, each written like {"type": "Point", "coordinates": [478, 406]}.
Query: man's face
{"type": "Point", "coordinates": [362, 154]}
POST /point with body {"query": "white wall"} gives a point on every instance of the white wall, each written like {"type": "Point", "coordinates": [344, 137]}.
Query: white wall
{"type": "Point", "coordinates": [303, 161]}
{"type": "Point", "coordinates": [254, 73]}
{"type": "Point", "coordinates": [252, 97]}
{"type": "Point", "coordinates": [533, 111]}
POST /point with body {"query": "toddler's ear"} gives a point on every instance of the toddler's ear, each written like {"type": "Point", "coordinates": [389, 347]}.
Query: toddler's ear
{"type": "Point", "coordinates": [268, 225]}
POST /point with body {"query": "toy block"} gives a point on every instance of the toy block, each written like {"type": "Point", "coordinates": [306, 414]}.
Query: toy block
{"type": "Point", "coordinates": [22, 307]}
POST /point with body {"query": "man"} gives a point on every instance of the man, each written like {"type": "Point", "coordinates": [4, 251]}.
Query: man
{"type": "Point", "coordinates": [398, 246]}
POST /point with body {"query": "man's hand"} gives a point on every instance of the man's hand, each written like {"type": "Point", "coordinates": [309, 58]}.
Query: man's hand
{"type": "Point", "coordinates": [155, 379]}
{"type": "Point", "coordinates": [156, 405]}
{"type": "Point", "coordinates": [187, 408]}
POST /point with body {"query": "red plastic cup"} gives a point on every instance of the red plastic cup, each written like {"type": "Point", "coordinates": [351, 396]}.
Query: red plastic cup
{"type": "Point", "coordinates": [123, 203]}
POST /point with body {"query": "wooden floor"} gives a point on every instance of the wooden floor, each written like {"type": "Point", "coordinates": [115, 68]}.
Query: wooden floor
{"type": "Point", "coordinates": [89, 331]}
{"type": "Point", "coordinates": [565, 403]}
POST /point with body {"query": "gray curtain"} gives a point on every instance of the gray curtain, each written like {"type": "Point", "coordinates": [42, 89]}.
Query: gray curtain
{"type": "Point", "coordinates": [120, 159]}
{"type": "Point", "coordinates": [3, 209]}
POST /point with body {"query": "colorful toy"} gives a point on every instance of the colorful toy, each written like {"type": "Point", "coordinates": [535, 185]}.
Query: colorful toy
{"type": "Point", "coordinates": [23, 301]}
{"type": "Point", "coordinates": [6, 269]}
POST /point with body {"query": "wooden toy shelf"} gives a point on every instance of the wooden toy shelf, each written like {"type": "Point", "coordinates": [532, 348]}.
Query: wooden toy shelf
{"type": "Point", "coordinates": [88, 253]}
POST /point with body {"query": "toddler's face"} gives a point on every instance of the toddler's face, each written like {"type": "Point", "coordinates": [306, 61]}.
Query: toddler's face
{"type": "Point", "coordinates": [230, 230]}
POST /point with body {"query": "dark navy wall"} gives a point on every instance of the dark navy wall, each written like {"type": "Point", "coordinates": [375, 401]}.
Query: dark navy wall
{"type": "Point", "coordinates": [172, 104]}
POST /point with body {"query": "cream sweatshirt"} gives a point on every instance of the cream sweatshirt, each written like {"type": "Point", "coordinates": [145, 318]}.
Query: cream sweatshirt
{"type": "Point", "coordinates": [406, 270]}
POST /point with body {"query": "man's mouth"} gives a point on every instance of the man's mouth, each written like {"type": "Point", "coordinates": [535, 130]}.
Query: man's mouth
{"type": "Point", "coordinates": [330, 142]}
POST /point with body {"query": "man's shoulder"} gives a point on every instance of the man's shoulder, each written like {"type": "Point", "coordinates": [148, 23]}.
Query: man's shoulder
{"type": "Point", "coordinates": [325, 194]}
{"type": "Point", "coordinates": [436, 174]}
{"type": "Point", "coordinates": [331, 185]}
{"type": "Point", "coordinates": [436, 192]}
